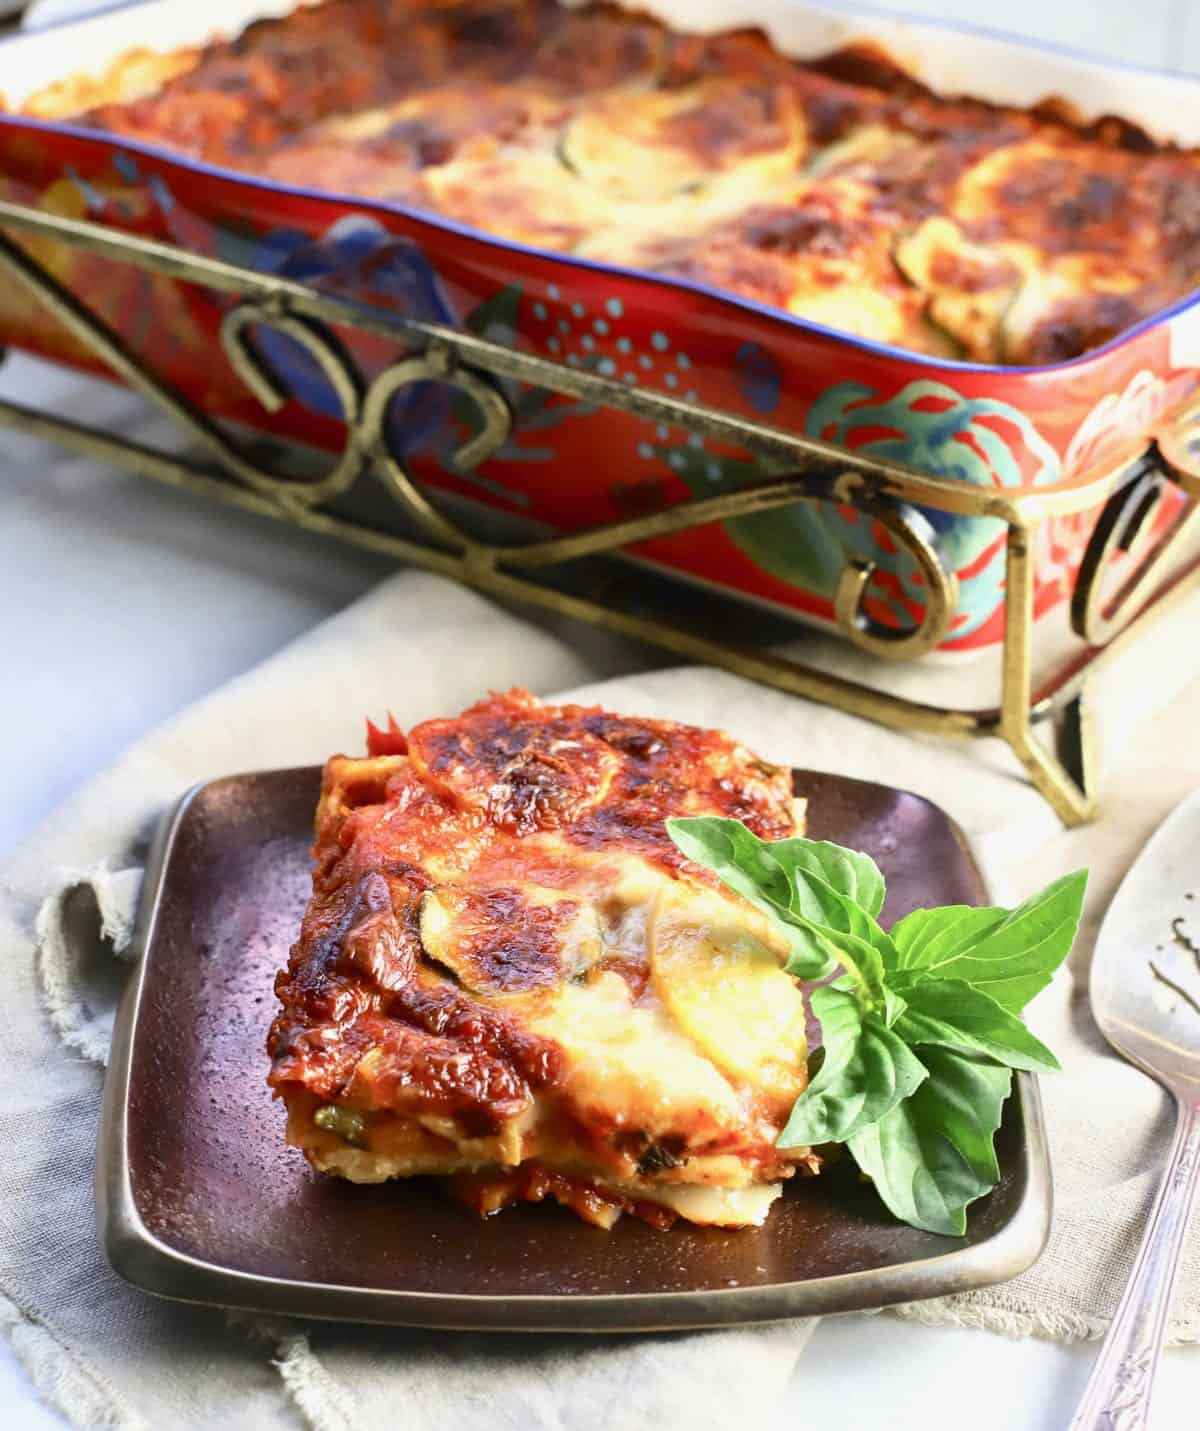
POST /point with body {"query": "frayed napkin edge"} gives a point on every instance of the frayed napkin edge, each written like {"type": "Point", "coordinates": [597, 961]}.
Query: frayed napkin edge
{"type": "Point", "coordinates": [319, 1397]}
{"type": "Point", "coordinates": [71, 1387]}
{"type": "Point", "coordinates": [116, 892]}
{"type": "Point", "coordinates": [1021, 1324]}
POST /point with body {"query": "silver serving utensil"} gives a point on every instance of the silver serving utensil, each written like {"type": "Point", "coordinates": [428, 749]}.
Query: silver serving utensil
{"type": "Point", "coordinates": [1145, 995]}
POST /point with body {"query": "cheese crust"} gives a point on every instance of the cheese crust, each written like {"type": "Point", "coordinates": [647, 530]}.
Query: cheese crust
{"type": "Point", "coordinates": [509, 977]}
{"type": "Point", "coordinates": [839, 191]}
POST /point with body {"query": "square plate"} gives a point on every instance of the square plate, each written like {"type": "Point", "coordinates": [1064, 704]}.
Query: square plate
{"type": "Point", "coordinates": [200, 1199]}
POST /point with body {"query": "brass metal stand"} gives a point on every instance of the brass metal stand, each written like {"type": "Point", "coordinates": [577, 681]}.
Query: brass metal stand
{"type": "Point", "coordinates": [798, 468]}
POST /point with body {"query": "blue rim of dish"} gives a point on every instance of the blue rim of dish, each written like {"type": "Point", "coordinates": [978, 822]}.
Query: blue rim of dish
{"type": "Point", "coordinates": [887, 351]}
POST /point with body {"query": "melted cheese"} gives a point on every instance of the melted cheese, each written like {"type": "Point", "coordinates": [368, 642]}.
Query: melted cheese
{"type": "Point", "coordinates": [532, 199]}
{"type": "Point", "coordinates": [629, 1065]}
{"type": "Point", "coordinates": [510, 940]}
{"type": "Point", "coordinates": [971, 286]}
{"type": "Point", "coordinates": [726, 991]}
{"type": "Point", "coordinates": [723, 1207]}
{"type": "Point", "coordinates": [652, 146]}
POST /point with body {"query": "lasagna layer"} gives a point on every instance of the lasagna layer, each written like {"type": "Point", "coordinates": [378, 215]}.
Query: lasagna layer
{"type": "Point", "coordinates": [508, 976]}
{"type": "Point", "coordinates": [839, 191]}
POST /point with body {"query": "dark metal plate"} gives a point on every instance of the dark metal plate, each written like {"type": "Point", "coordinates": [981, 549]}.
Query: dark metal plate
{"type": "Point", "coordinates": [200, 1199]}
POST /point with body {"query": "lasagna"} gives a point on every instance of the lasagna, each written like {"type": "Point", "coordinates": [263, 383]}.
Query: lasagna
{"type": "Point", "coordinates": [508, 977]}
{"type": "Point", "coordinates": [840, 191]}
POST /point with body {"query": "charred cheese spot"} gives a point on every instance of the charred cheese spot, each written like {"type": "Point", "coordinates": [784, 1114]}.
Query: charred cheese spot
{"type": "Point", "coordinates": [590, 53]}
{"type": "Point", "coordinates": [525, 775]}
{"type": "Point", "coordinates": [1061, 195]}
{"type": "Point", "coordinates": [1079, 298]}
{"type": "Point", "coordinates": [1076, 323]}
{"type": "Point", "coordinates": [809, 254]}
{"type": "Point", "coordinates": [511, 940]}
{"type": "Point", "coordinates": [969, 286]}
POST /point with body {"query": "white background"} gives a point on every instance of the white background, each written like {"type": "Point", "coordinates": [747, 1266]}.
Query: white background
{"type": "Point", "coordinates": [124, 602]}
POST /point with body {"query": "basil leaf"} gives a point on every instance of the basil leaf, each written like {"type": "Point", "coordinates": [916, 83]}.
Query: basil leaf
{"type": "Point", "coordinates": [855, 934]}
{"type": "Point", "coordinates": [849, 873]}
{"type": "Point", "coordinates": [893, 1006]}
{"type": "Point", "coordinates": [795, 881]}
{"type": "Point", "coordinates": [954, 1015]}
{"type": "Point", "coordinates": [933, 1154]}
{"type": "Point", "coordinates": [926, 937]}
{"type": "Point", "coordinates": [727, 847]}
{"type": "Point", "coordinates": [839, 891]}
{"type": "Point", "coordinates": [1012, 958]}
{"type": "Point", "coordinates": [747, 865]}
{"type": "Point", "coordinates": [867, 1070]}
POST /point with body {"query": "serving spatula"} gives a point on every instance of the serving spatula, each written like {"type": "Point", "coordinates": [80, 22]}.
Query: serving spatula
{"type": "Point", "coordinates": [1145, 996]}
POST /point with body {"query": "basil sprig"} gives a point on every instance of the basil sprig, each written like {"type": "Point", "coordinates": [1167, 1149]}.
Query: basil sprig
{"type": "Point", "coordinates": [920, 1026]}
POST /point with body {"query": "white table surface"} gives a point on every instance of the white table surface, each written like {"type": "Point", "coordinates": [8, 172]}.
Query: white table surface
{"type": "Point", "coordinates": [125, 601]}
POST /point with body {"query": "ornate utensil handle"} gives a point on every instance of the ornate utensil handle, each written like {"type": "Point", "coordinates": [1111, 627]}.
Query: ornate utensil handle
{"type": "Point", "coordinates": [1117, 1396]}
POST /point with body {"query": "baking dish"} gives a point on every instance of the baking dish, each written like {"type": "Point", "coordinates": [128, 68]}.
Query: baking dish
{"type": "Point", "coordinates": [570, 466]}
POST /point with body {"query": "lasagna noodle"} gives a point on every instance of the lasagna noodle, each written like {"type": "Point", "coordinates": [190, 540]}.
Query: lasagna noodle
{"type": "Point", "coordinates": [840, 191]}
{"type": "Point", "coordinates": [509, 976]}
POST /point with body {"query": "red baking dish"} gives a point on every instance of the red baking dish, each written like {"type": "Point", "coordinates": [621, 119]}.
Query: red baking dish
{"type": "Point", "coordinates": [569, 465]}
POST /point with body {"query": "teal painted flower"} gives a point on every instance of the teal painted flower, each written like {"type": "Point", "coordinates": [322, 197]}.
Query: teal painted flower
{"type": "Point", "coordinates": [933, 428]}
{"type": "Point", "coordinates": [928, 426]}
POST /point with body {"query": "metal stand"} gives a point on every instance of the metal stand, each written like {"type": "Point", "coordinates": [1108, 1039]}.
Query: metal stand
{"type": "Point", "coordinates": [799, 468]}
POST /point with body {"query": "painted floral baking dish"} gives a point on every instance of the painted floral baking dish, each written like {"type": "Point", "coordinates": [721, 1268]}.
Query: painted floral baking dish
{"type": "Point", "coordinates": [787, 223]}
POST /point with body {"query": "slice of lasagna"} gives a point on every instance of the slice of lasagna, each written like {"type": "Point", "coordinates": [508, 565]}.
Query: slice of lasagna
{"type": "Point", "coordinates": [508, 976]}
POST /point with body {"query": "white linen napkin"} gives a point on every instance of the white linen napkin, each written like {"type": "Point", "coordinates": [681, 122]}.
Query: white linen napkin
{"type": "Point", "coordinates": [109, 1356]}
{"type": "Point", "coordinates": [106, 1355]}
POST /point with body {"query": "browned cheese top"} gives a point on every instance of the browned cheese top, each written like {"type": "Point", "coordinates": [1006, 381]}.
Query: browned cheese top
{"type": "Point", "coordinates": [840, 191]}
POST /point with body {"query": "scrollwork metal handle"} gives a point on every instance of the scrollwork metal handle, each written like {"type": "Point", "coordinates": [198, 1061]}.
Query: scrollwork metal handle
{"type": "Point", "coordinates": [1178, 447]}
{"type": "Point", "coordinates": [435, 365]}
{"type": "Point", "coordinates": [1096, 616]}
{"type": "Point", "coordinates": [1117, 1396]}
{"type": "Point", "coordinates": [914, 534]}
{"type": "Point", "coordinates": [337, 367]}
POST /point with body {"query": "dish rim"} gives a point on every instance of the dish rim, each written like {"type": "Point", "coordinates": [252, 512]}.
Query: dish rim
{"type": "Point", "coordinates": [141, 1258]}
